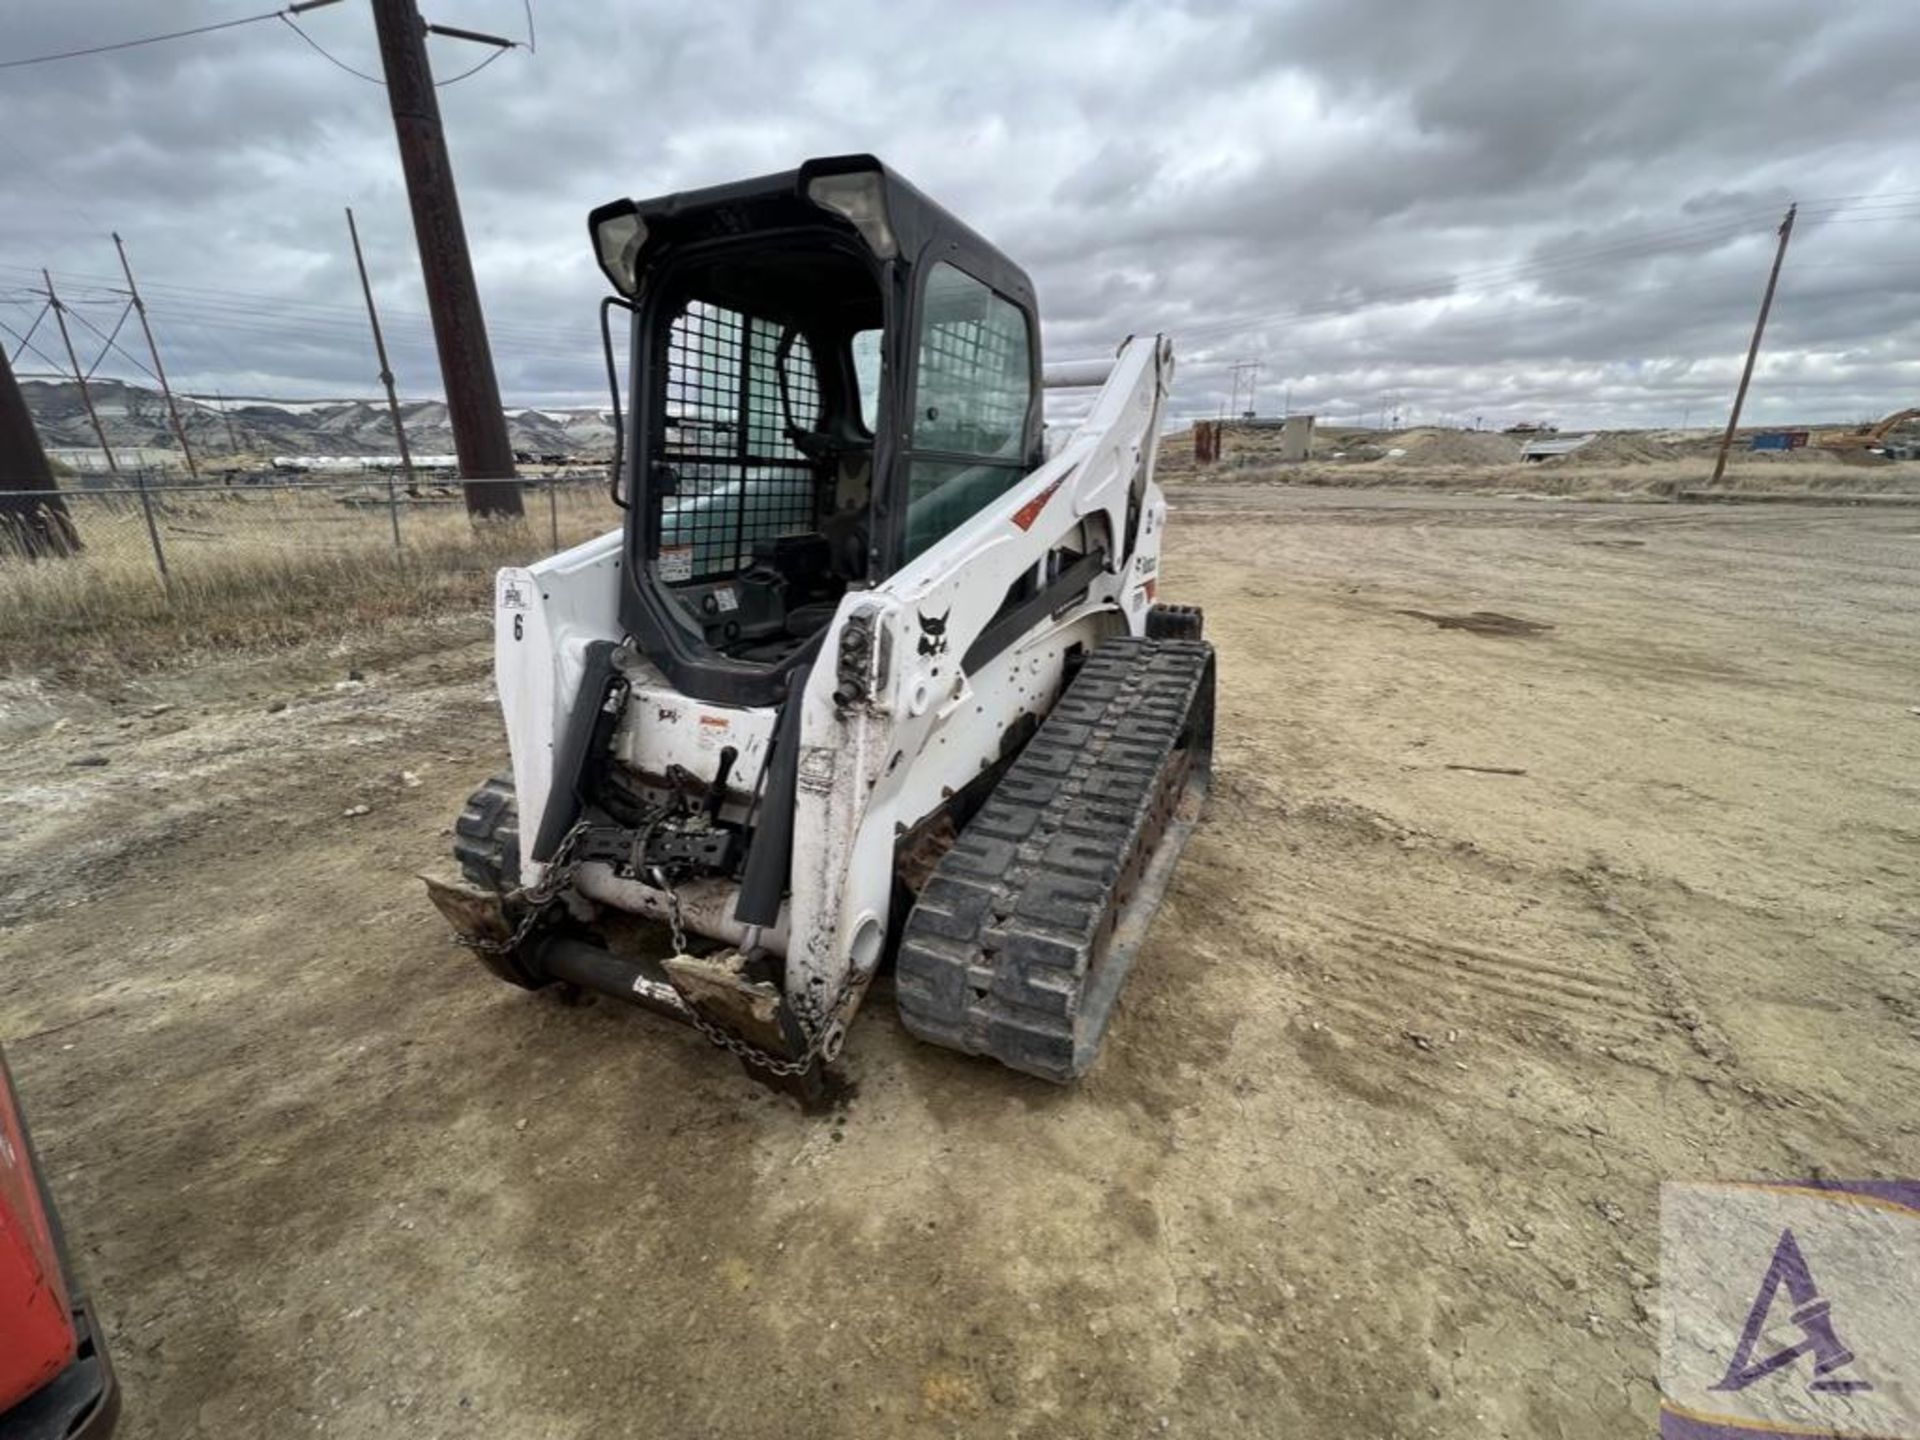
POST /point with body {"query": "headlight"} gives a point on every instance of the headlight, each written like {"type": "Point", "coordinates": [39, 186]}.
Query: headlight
{"type": "Point", "coordinates": [860, 196]}
{"type": "Point", "coordinates": [617, 240]}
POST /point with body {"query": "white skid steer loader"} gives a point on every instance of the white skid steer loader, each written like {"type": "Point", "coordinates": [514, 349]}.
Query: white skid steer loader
{"type": "Point", "coordinates": [864, 673]}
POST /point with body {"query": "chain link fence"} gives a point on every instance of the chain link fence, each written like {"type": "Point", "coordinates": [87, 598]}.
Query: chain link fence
{"type": "Point", "coordinates": [175, 529]}
{"type": "Point", "coordinates": [156, 563]}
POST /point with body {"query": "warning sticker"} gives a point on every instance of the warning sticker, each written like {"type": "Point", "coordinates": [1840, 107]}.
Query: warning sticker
{"type": "Point", "coordinates": [515, 593]}
{"type": "Point", "coordinates": [676, 563]}
{"type": "Point", "coordinates": [726, 599]}
{"type": "Point", "coordinates": [713, 731]}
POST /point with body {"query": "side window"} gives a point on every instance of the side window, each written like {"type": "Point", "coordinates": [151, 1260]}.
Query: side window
{"type": "Point", "coordinates": [971, 398]}
{"type": "Point", "coordinates": [866, 374]}
{"type": "Point", "coordinates": [975, 380]}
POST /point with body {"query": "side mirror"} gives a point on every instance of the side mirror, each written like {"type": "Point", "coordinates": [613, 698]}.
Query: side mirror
{"type": "Point", "coordinates": [617, 471]}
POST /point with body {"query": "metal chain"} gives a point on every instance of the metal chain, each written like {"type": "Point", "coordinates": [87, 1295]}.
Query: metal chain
{"type": "Point", "coordinates": [538, 897]}
{"type": "Point", "coordinates": [745, 1049]}
{"type": "Point", "coordinates": [545, 892]}
{"type": "Point", "coordinates": [659, 877]}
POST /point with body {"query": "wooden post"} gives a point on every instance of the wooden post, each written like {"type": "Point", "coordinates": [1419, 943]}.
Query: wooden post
{"type": "Point", "coordinates": [1753, 350]}
{"type": "Point", "coordinates": [73, 359]}
{"type": "Point", "coordinates": [453, 296]}
{"type": "Point", "coordinates": [159, 370]}
{"type": "Point", "coordinates": [386, 379]}
{"type": "Point", "coordinates": [153, 530]}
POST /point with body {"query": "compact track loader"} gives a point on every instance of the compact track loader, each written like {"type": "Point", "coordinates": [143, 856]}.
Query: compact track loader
{"type": "Point", "coordinates": [864, 673]}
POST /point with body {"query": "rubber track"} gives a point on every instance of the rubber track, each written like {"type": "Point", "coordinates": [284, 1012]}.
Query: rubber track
{"type": "Point", "coordinates": [1003, 952]}
{"type": "Point", "coordinates": [486, 837]}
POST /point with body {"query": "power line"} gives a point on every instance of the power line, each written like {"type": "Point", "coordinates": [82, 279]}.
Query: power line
{"type": "Point", "coordinates": [326, 55]}
{"type": "Point", "coordinates": [112, 344]}
{"type": "Point", "coordinates": [36, 322]}
{"type": "Point", "coordinates": [260, 312]}
{"type": "Point", "coordinates": [334, 60]}
{"type": "Point", "coordinates": [475, 70]}
{"type": "Point", "coordinates": [144, 40]}
{"type": "Point", "coordinates": [286, 16]}
{"type": "Point", "coordinates": [35, 349]}
{"type": "Point", "coordinates": [250, 311]}
{"type": "Point", "coordinates": [118, 325]}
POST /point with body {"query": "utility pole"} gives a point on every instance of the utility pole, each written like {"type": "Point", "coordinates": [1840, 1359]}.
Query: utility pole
{"type": "Point", "coordinates": [33, 513]}
{"type": "Point", "coordinates": [1251, 368]}
{"type": "Point", "coordinates": [1753, 350]}
{"type": "Point", "coordinates": [159, 370]}
{"type": "Point", "coordinates": [86, 395]}
{"type": "Point", "coordinates": [386, 371]}
{"type": "Point", "coordinates": [453, 298]}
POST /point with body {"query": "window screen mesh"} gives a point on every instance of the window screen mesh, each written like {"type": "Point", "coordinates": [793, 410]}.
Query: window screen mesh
{"type": "Point", "coordinates": [974, 380]}
{"type": "Point", "coordinates": [739, 479]}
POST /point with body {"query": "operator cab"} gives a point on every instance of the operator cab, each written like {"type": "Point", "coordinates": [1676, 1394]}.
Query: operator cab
{"type": "Point", "coordinates": [828, 374]}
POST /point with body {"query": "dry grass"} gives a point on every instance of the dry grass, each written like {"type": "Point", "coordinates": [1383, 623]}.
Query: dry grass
{"type": "Point", "coordinates": [261, 569]}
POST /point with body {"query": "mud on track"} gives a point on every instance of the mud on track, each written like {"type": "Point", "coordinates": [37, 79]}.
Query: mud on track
{"type": "Point", "coordinates": [1375, 1146]}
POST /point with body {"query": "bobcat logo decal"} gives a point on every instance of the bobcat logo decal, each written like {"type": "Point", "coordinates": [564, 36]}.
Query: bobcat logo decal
{"type": "Point", "coordinates": [933, 633]}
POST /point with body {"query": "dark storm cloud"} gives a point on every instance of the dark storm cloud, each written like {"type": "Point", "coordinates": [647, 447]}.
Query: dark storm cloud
{"type": "Point", "coordinates": [1503, 209]}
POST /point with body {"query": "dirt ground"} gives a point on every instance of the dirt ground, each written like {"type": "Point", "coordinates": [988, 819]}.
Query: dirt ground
{"type": "Point", "coordinates": [1375, 1146]}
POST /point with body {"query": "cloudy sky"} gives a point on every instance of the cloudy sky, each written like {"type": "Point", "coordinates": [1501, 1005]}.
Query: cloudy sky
{"type": "Point", "coordinates": [1509, 209]}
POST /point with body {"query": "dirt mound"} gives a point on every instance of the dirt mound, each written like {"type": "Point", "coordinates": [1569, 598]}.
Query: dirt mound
{"type": "Point", "coordinates": [1621, 447]}
{"type": "Point", "coordinates": [1455, 447]}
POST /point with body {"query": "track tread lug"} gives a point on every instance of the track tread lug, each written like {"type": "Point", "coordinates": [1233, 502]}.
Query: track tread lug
{"type": "Point", "coordinates": [998, 953]}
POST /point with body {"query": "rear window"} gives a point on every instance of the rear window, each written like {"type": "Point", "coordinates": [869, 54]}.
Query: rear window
{"type": "Point", "coordinates": [733, 384]}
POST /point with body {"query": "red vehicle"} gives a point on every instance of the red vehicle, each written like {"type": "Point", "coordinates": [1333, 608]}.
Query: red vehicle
{"type": "Point", "coordinates": [55, 1382]}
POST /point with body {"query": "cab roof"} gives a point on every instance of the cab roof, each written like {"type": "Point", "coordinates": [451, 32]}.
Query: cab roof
{"type": "Point", "coordinates": [924, 230]}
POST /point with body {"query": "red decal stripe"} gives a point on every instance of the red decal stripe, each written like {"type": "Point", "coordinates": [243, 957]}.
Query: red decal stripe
{"type": "Point", "coordinates": [1030, 512]}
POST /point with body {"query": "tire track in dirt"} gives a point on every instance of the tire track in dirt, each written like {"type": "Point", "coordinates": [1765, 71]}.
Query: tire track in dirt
{"type": "Point", "coordinates": [236, 764]}
{"type": "Point", "coordinates": [1453, 980]}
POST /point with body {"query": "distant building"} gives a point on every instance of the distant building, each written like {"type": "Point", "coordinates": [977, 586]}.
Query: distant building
{"type": "Point", "coordinates": [1547, 449]}
{"type": "Point", "coordinates": [360, 464]}
{"type": "Point", "coordinates": [1295, 442]}
{"type": "Point", "coordinates": [91, 460]}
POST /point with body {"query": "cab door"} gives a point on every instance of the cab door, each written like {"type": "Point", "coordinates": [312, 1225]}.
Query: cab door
{"type": "Point", "coordinates": [968, 432]}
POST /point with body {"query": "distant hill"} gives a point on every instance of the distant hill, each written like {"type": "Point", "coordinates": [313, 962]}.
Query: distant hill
{"type": "Point", "coordinates": [134, 415]}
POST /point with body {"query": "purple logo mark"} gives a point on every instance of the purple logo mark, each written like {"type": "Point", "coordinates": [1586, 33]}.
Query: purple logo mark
{"type": "Point", "coordinates": [1812, 1315]}
{"type": "Point", "coordinates": [1787, 1308]}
